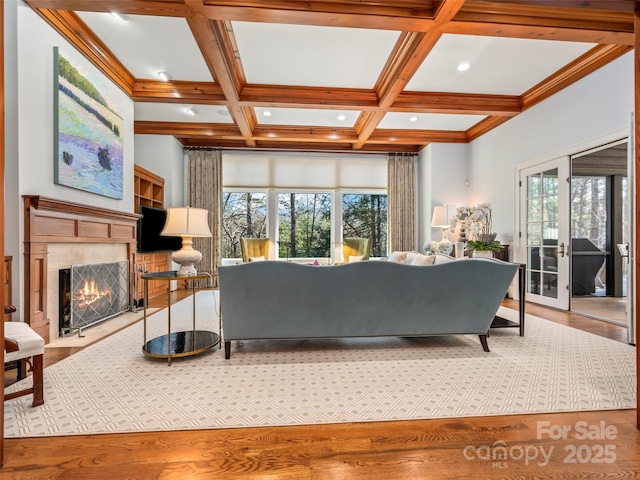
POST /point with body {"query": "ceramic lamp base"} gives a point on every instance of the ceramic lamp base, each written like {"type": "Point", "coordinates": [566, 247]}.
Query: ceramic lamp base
{"type": "Point", "coordinates": [186, 257]}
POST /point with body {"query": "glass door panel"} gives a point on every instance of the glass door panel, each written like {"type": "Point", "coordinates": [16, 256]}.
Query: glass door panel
{"type": "Point", "coordinates": [544, 223]}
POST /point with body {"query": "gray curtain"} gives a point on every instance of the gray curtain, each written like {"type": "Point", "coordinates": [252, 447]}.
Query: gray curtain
{"type": "Point", "coordinates": [402, 201]}
{"type": "Point", "coordinates": [204, 190]}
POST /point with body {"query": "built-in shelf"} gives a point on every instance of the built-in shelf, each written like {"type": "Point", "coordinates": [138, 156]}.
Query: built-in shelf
{"type": "Point", "coordinates": [148, 190]}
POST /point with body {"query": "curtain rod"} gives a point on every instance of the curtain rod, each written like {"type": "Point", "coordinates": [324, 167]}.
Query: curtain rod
{"type": "Point", "coordinates": [293, 152]}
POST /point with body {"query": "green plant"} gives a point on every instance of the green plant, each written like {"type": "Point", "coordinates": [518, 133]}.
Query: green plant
{"type": "Point", "coordinates": [494, 246]}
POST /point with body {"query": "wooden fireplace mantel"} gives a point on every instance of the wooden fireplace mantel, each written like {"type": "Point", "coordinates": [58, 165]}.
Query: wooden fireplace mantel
{"type": "Point", "coordinates": [48, 220]}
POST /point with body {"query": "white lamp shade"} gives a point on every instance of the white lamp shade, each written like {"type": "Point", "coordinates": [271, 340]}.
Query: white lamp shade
{"type": "Point", "coordinates": [442, 215]}
{"type": "Point", "coordinates": [187, 222]}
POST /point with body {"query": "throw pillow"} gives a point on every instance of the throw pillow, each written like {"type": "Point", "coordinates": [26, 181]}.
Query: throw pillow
{"type": "Point", "coordinates": [410, 256]}
{"type": "Point", "coordinates": [398, 257]}
{"type": "Point", "coordinates": [423, 259]}
{"type": "Point", "coordinates": [257, 259]}
{"type": "Point", "coordinates": [355, 258]}
{"type": "Point", "coordinates": [442, 259]}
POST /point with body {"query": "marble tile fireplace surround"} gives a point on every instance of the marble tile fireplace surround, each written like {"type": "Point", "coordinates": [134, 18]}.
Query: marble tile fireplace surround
{"type": "Point", "coordinates": [59, 234]}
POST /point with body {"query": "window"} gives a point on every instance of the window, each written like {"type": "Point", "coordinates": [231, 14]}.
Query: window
{"type": "Point", "coordinates": [365, 215]}
{"type": "Point", "coordinates": [244, 214]}
{"type": "Point", "coordinates": [304, 225]}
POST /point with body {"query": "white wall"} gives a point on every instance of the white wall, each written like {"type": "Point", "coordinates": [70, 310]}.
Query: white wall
{"type": "Point", "coordinates": [164, 156]}
{"type": "Point", "coordinates": [442, 179]}
{"type": "Point", "coordinates": [591, 110]}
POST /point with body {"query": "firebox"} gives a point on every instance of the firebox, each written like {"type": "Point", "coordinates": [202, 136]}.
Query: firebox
{"type": "Point", "coordinates": [90, 294]}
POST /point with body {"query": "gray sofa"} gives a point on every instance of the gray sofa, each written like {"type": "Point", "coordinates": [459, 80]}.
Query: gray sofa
{"type": "Point", "coordinates": [282, 300]}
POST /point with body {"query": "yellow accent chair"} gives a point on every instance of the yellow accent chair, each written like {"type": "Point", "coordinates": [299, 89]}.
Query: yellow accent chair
{"type": "Point", "coordinates": [356, 247]}
{"type": "Point", "coordinates": [254, 248]}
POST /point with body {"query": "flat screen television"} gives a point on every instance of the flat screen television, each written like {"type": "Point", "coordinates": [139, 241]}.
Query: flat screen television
{"type": "Point", "coordinates": [150, 224]}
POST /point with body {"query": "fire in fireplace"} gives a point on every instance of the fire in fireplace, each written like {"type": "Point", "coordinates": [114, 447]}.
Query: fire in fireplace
{"type": "Point", "coordinates": [90, 294]}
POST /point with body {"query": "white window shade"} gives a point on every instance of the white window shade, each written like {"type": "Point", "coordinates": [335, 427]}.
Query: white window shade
{"type": "Point", "coordinates": [302, 171]}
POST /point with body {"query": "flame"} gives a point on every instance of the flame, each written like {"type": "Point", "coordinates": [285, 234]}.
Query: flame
{"type": "Point", "coordinates": [90, 293]}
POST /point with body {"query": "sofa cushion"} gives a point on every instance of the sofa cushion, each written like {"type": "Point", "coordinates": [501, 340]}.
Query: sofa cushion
{"type": "Point", "coordinates": [440, 259]}
{"type": "Point", "coordinates": [410, 256]}
{"type": "Point", "coordinates": [355, 258]}
{"type": "Point", "coordinates": [398, 257]}
{"type": "Point", "coordinates": [257, 259]}
{"type": "Point", "coordinates": [420, 259]}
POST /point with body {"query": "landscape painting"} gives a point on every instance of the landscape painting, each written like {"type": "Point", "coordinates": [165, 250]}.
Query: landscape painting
{"type": "Point", "coordinates": [88, 124]}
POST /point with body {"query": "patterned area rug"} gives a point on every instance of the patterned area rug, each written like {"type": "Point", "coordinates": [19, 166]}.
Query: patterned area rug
{"type": "Point", "coordinates": [111, 387]}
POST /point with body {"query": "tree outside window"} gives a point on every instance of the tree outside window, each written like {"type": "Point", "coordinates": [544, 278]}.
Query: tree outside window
{"type": "Point", "coordinates": [589, 209]}
{"type": "Point", "coordinates": [244, 214]}
{"type": "Point", "coordinates": [304, 226]}
{"type": "Point", "coordinates": [365, 216]}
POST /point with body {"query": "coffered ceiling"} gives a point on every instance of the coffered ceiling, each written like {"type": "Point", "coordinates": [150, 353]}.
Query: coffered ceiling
{"type": "Point", "coordinates": [354, 75]}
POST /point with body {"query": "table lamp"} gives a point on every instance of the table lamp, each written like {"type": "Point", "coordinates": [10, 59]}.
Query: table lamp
{"type": "Point", "coordinates": [442, 215]}
{"type": "Point", "coordinates": [186, 222]}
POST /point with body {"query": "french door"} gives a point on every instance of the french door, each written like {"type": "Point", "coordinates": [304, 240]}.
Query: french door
{"type": "Point", "coordinates": [545, 231]}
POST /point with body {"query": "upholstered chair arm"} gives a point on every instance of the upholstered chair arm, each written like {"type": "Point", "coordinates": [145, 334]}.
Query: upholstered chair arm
{"type": "Point", "coordinates": [10, 345]}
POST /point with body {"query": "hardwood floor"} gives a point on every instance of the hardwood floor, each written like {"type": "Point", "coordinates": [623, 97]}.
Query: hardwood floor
{"type": "Point", "coordinates": [534, 446]}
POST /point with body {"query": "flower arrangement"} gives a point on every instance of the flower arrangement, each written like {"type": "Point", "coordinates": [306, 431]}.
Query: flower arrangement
{"type": "Point", "coordinates": [477, 222]}
{"type": "Point", "coordinates": [431, 248]}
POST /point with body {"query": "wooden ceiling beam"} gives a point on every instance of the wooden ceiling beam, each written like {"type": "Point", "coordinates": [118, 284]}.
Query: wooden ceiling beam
{"type": "Point", "coordinates": [401, 16]}
{"type": "Point", "coordinates": [536, 32]}
{"type": "Point", "coordinates": [610, 10]}
{"type": "Point", "coordinates": [408, 54]}
{"type": "Point", "coordinates": [209, 130]}
{"type": "Point", "coordinates": [74, 30]}
{"type": "Point", "coordinates": [417, 136]}
{"type": "Point", "coordinates": [178, 92]}
{"type": "Point", "coordinates": [212, 39]}
{"type": "Point", "coordinates": [484, 126]}
{"type": "Point", "coordinates": [287, 133]}
{"type": "Point", "coordinates": [471, 104]}
{"type": "Point", "coordinates": [446, 10]}
{"type": "Point", "coordinates": [308, 97]}
{"type": "Point", "coordinates": [129, 7]}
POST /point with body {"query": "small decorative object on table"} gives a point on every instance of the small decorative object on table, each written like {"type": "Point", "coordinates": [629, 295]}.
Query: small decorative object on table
{"type": "Point", "coordinates": [460, 219]}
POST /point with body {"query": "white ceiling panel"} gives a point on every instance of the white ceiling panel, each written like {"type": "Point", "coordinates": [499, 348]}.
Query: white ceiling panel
{"type": "Point", "coordinates": [312, 56]}
{"type": "Point", "coordinates": [505, 66]}
{"type": "Point", "coordinates": [299, 116]}
{"type": "Point", "coordinates": [175, 112]}
{"type": "Point", "coordinates": [429, 121]}
{"type": "Point", "coordinates": [147, 45]}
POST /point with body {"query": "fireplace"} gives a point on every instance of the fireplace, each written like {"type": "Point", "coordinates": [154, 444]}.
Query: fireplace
{"type": "Point", "coordinates": [90, 294]}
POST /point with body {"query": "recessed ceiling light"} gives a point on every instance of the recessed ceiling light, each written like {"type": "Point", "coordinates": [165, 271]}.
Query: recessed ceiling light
{"type": "Point", "coordinates": [413, 118]}
{"type": "Point", "coordinates": [164, 76]}
{"type": "Point", "coordinates": [271, 135]}
{"type": "Point", "coordinates": [224, 113]}
{"type": "Point", "coordinates": [120, 16]}
{"type": "Point", "coordinates": [334, 136]}
{"type": "Point", "coordinates": [463, 67]}
{"type": "Point", "coordinates": [266, 113]}
{"type": "Point", "coordinates": [342, 117]}
{"type": "Point", "coordinates": [190, 111]}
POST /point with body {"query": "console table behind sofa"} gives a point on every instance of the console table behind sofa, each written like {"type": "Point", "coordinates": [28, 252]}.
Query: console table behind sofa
{"type": "Point", "coordinates": [282, 300]}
